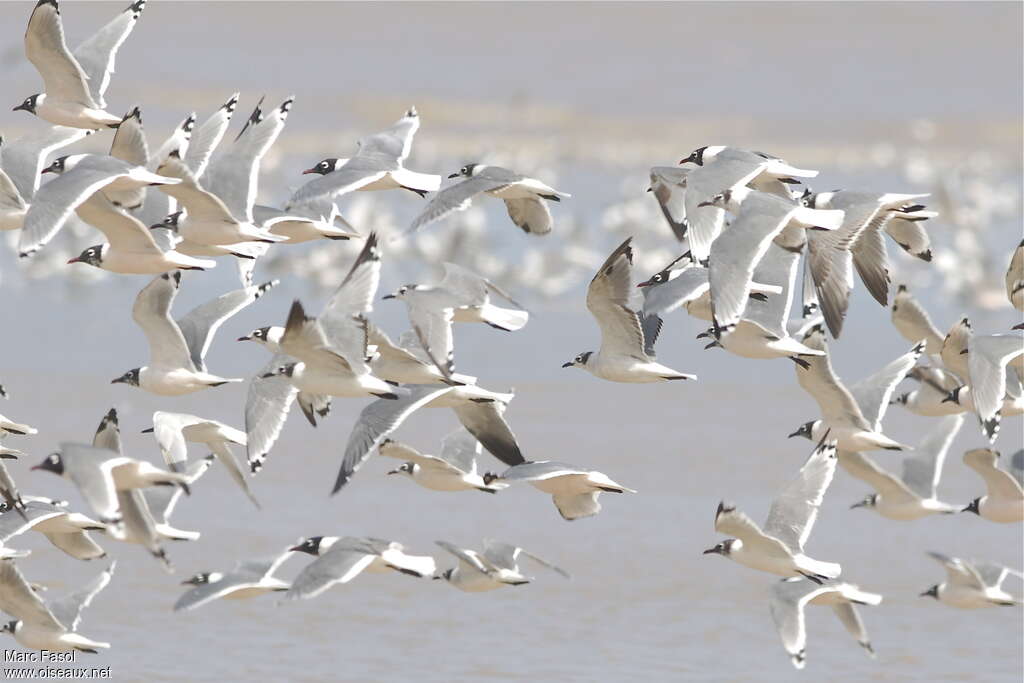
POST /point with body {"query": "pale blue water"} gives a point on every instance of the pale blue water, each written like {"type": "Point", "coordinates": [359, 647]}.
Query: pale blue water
{"type": "Point", "coordinates": [643, 602]}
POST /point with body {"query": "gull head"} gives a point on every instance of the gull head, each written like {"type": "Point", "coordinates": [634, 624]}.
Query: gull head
{"type": "Point", "coordinates": [720, 200]}
{"type": "Point", "coordinates": [310, 546]}
{"type": "Point", "coordinates": [61, 164]}
{"type": "Point", "coordinates": [10, 627]}
{"type": "Point", "coordinates": [53, 463]}
{"type": "Point", "coordinates": [401, 292]}
{"type": "Point", "coordinates": [902, 399]}
{"type": "Point", "coordinates": [131, 378]}
{"type": "Point", "coordinates": [579, 361]}
{"type": "Point", "coordinates": [806, 430]}
{"type": "Point", "coordinates": [265, 335]}
{"type": "Point", "coordinates": [202, 579]}
{"type": "Point", "coordinates": [469, 170]}
{"type": "Point", "coordinates": [724, 548]}
{"type": "Point", "coordinates": [170, 221]}
{"type": "Point", "coordinates": [93, 256]}
{"type": "Point", "coordinates": [869, 501]}
{"type": "Point", "coordinates": [324, 167]}
{"type": "Point", "coordinates": [696, 157]}
{"type": "Point", "coordinates": [932, 592]}
{"type": "Point", "coordinates": [407, 468]}
{"type": "Point", "coordinates": [31, 103]}
{"type": "Point", "coordinates": [973, 506]}
{"type": "Point", "coordinates": [445, 575]}
{"type": "Point", "coordinates": [954, 396]}
{"type": "Point", "coordinates": [288, 370]}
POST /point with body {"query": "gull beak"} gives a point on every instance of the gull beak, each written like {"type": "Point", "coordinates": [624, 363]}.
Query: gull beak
{"type": "Point", "coordinates": [796, 433]}
{"type": "Point", "coordinates": [268, 375]}
{"type": "Point", "coordinates": [858, 504]}
{"type": "Point", "coordinates": [454, 175]}
{"type": "Point", "coordinates": [74, 260]}
{"type": "Point", "coordinates": [650, 189]}
{"type": "Point", "coordinates": [705, 204]}
{"type": "Point", "coordinates": [567, 365]}
{"type": "Point", "coordinates": [645, 283]}
{"type": "Point", "coordinates": [388, 296]}
{"type": "Point", "coordinates": [712, 551]}
{"type": "Point", "coordinates": [147, 431]}
{"type": "Point", "coordinates": [245, 338]}
{"type": "Point", "coordinates": [45, 171]}
{"type": "Point", "coordinates": [712, 345]}
{"type": "Point", "coordinates": [394, 472]}
{"type": "Point", "coordinates": [950, 398]}
{"type": "Point", "coordinates": [964, 351]}
{"type": "Point", "coordinates": [308, 171]}
{"type": "Point", "coordinates": [703, 335]}
{"type": "Point", "coordinates": [295, 549]}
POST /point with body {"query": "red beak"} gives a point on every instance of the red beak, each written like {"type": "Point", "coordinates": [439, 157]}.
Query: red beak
{"type": "Point", "coordinates": [643, 284]}
{"type": "Point", "coordinates": [74, 260]}
{"type": "Point", "coordinates": [309, 170]}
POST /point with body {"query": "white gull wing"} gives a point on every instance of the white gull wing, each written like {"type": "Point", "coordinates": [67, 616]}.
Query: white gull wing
{"type": "Point", "coordinates": [234, 175]}
{"type": "Point", "coordinates": [836, 403]}
{"type": "Point", "coordinates": [207, 136]}
{"type": "Point", "coordinates": [999, 484]}
{"type": "Point", "coordinates": [608, 301]}
{"type": "Point", "coordinates": [913, 323]}
{"type": "Point", "coordinates": [456, 197]}
{"type": "Point", "coordinates": [892, 488]}
{"type": "Point", "coordinates": [794, 511]}
{"type": "Point", "coordinates": [200, 324]}
{"type": "Point", "coordinates": [68, 609]}
{"type": "Point", "coordinates": [923, 467]}
{"type": "Point", "coordinates": [668, 183]}
{"type": "Point", "coordinates": [124, 232]}
{"type": "Point", "coordinates": [531, 214]}
{"type": "Point", "coordinates": [227, 458]}
{"type": "Point", "coordinates": [178, 141]}
{"type": "Point", "coordinates": [90, 469]}
{"type": "Point", "coordinates": [986, 364]}
{"type": "Point", "coordinates": [46, 48]}
{"type": "Point", "coordinates": [955, 347]}
{"type": "Point", "coordinates": [737, 251]}
{"type": "Point", "coordinates": [343, 319]}
{"type": "Point", "coordinates": [731, 522]}
{"type": "Point", "coordinates": [703, 183]}
{"type": "Point", "coordinates": [267, 403]}
{"type": "Point", "coordinates": [19, 600]}
{"type": "Point", "coordinates": [24, 159]}
{"type": "Point", "coordinates": [129, 143]}
{"type": "Point", "coordinates": [152, 312]}
{"type": "Point", "coordinates": [340, 564]}
{"type": "Point", "coordinates": [460, 449]}
{"type": "Point", "coordinates": [958, 571]}
{"type": "Point", "coordinates": [505, 555]}
{"type": "Point", "coordinates": [55, 201]}
{"type": "Point", "coordinates": [167, 431]}
{"type": "Point", "coordinates": [97, 53]}
{"type": "Point", "coordinates": [376, 421]}
{"type": "Point", "coordinates": [777, 268]}
{"type": "Point", "coordinates": [788, 600]}
{"type": "Point", "coordinates": [874, 392]}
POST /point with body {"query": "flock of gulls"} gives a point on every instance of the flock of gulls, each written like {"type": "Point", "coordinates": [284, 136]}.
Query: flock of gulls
{"type": "Point", "coordinates": [749, 223]}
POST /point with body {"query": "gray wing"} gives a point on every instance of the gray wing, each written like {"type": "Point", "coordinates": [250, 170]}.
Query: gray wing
{"type": "Point", "coordinates": [208, 592]}
{"type": "Point", "coordinates": [955, 346]}
{"type": "Point", "coordinates": [46, 48]}
{"type": "Point", "coordinates": [167, 430]}
{"type": "Point", "coordinates": [89, 469]}
{"type": "Point", "coordinates": [738, 250]}
{"type": "Point", "coordinates": [356, 173]}
{"type": "Point", "coordinates": [163, 499]}
{"type": "Point", "coordinates": [24, 159]}
{"type": "Point", "coordinates": [200, 324]}
{"type": "Point", "coordinates": [19, 600]}
{"type": "Point", "coordinates": [266, 408]}
{"type": "Point", "coordinates": [376, 421]}
{"type": "Point", "coordinates": [152, 312]}
{"type": "Point", "coordinates": [139, 522]}
{"type": "Point", "coordinates": [264, 566]}
{"type": "Point", "coordinates": [340, 564]}
{"type": "Point", "coordinates": [97, 54]}
{"type": "Point", "coordinates": [77, 544]}
{"type": "Point", "coordinates": [871, 260]}
{"type": "Point", "coordinates": [13, 523]}
{"type": "Point", "coordinates": [467, 287]}
{"type": "Point", "coordinates": [460, 449]}
{"type": "Point", "coordinates": [206, 138]}
{"type": "Point", "coordinates": [123, 231]}
{"type": "Point", "coordinates": [55, 201]}
{"type": "Point", "coordinates": [471, 559]}
{"type": "Point", "coordinates": [778, 267]}
{"type": "Point", "coordinates": [992, 575]}
{"type": "Point", "coordinates": [454, 198]}
{"type": "Point", "coordinates": [787, 603]}
{"type": "Point", "coordinates": [8, 489]}
{"type": "Point", "coordinates": [850, 618]}
{"type": "Point", "coordinates": [608, 301]}
{"type": "Point", "coordinates": [531, 214]}
{"type": "Point", "coordinates": [835, 401]}
{"type": "Point", "coordinates": [227, 458]}
{"type": "Point", "coordinates": [68, 609]}
{"type": "Point", "coordinates": [703, 183]}
{"type": "Point", "coordinates": [538, 470]}
{"type": "Point", "coordinates": [108, 434]}
{"type": "Point", "coordinates": [395, 142]}
{"type": "Point", "coordinates": [913, 322]}
{"type": "Point", "coordinates": [234, 176]}
{"type": "Point", "coordinates": [178, 141]}
{"type": "Point", "coordinates": [343, 319]}
{"type": "Point", "coordinates": [486, 421]}
{"type": "Point", "coordinates": [874, 392]}
{"type": "Point", "coordinates": [958, 571]}
{"type": "Point", "coordinates": [668, 183]}
{"type": "Point", "coordinates": [129, 142]}
{"type": "Point", "coordinates": [665, 297]}
{"type": "Point", "coordinates": [793, 513]}
{"type": "Point", "coordinates": [923, 467]}
{"type": "Point", "coordinates": [986, 364]}
{"type": "Point", "coordinates": [306, 339]}
{"type": "Point", "coordinates": [503, 554]}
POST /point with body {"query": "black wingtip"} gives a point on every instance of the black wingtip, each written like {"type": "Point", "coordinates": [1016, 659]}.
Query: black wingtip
{"type": "Point", "coordinates": [136, 8]}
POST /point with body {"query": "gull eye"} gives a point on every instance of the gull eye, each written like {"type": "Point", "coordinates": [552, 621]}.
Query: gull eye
{"type": "Point", "coordinates": [659, 278]}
